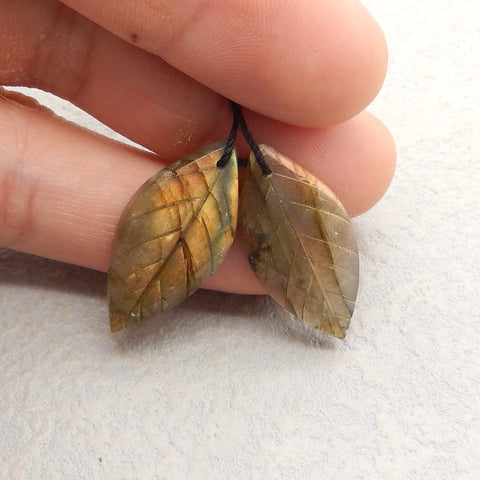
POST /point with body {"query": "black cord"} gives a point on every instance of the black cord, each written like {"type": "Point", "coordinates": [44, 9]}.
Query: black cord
{"type": "Point", "coordinates": [227, 152]}
{"type": "Point", "coordinates": [239, 120]}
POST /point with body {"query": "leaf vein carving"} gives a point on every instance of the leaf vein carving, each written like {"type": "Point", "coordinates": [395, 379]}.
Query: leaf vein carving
{"type": "Point", "coordinates": [320, 210]}
{"type": "Point", "coordinates": [181, 242]}
{"type": "Point", "coordinates": [210, 246]}
{"type": "Point", "coordinates": [157, 237]}
{"type": "Point", "coordinates": [176, 203]}
{"type": "Point", "coordinates": [331, 244]}
{"type": "Point", "coordinates": [296, 234]}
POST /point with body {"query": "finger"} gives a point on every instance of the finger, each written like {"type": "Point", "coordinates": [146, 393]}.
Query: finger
{"type": "Point", "coordinates": [62, 189]}
{"type": "Point", "coordinates": [302, 62]}
{"type": "Point", "coordinates": [294, 51]}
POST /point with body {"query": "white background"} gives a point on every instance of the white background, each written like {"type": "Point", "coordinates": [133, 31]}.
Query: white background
{"type": "Point", "coordinates": [225, 386]}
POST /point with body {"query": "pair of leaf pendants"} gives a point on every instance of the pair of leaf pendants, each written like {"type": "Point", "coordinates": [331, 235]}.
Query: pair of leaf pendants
{"type": "Point", "coordinates": [178, 227]}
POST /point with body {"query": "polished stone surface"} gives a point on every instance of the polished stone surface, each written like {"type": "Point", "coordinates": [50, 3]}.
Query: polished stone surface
{"type": "Point", "coordinates": [301, 242]}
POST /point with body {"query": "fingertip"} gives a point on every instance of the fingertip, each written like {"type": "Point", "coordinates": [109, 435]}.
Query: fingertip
{"type": "Point", "coordinates": [340, 78]}
{"type": "Point", "coordinates": [382, 163]}
{"type": "Point", "coordinates": [360, 162]}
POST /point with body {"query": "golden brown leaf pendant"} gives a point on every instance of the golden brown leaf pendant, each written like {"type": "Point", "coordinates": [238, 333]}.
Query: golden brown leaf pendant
{"type": "Point", "coordinates": [172, 235]}
{"type": "Point", "coordinates": [301, 243]}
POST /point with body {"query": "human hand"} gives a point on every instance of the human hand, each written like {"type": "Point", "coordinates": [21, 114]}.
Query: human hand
{"type": "Point", "coordinates": [158, 72]}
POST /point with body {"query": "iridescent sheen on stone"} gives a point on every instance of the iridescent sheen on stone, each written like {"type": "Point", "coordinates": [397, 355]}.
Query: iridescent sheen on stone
{"type": "Point", "coordinates": [172, 235]}
{"type": "Point", "coordinates": [301, 243]}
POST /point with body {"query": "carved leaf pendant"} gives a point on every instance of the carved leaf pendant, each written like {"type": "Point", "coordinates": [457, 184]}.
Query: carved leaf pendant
{"type": "Point", "coordinates": [301, 244]}
{"type": "Point", "coordinates": [172, 235]}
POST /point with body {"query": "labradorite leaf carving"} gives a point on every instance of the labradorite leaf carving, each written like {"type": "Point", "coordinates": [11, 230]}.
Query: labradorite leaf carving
{"type": "Point", "coordinates": [301, 244]}
{"type": "Point", "coordinates": [172, 235]}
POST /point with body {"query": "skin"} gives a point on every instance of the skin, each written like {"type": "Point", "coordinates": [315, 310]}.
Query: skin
{"type": "Point", "coordinates": [158, 72]}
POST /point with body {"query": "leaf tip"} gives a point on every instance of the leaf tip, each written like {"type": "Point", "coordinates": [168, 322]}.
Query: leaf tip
{"type": "Point", "coordinates": [340, 334]}
{"type": "Point", "coordinates": [115, 326]}
{"type": "Point", "coordinates": [121, 318]}
{"type": "Point", "coordinates": [117, 321]}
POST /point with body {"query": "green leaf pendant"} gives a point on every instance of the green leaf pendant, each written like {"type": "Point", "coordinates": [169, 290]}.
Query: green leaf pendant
{"type": "Point", "coordinates": [301, 243]}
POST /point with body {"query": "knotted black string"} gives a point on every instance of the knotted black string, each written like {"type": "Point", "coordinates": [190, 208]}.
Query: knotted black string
{"type": "Point", "coordinates": [227, 152]}
{"type": "Point", "coordinates": [239, 121]}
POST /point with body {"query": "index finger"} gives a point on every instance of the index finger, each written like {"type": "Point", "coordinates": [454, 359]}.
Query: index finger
{"type": "Point", "coordinates": [303, 62]}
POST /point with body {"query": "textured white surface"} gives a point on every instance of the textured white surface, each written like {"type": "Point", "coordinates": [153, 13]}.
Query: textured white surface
{"type": "Point", "coordinates": [226, 387]}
